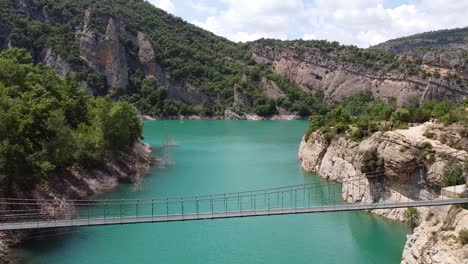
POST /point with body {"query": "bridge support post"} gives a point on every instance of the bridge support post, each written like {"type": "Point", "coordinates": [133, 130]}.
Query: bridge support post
{"type": "Point", "coordinates": [105, 207]}
{"type": "Point", "coordinates": [211, 206]}
{"type": "Point", "coordinates": [182, 205]}
{"type": "Point", "coordinates": [240, 203]}
{"type": "Point", "coordinates": [225, 204]}
{"type": "Point", "coordinates": [196, 205]}
{"type": "Point", "coordinates": [136, 208]}
{"type": "Point", "coordinates": [268, 204]}
{"type": "Point", "coordinates": [255, 203]}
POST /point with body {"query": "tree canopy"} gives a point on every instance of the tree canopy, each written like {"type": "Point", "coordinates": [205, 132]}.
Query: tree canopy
{"type": "Point", "coordinates": [47, 122]}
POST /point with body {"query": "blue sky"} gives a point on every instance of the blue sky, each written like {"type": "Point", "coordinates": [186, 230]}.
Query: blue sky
{"type": "Point", "coordinates": [358, 22]}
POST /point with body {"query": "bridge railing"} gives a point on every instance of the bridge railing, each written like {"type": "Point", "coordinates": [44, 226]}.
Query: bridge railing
{"type": "Point", "coordinates": [313, 195]}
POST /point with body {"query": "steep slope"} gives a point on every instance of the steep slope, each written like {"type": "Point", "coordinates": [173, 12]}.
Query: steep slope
{"type": "Point", "coordinates": [168, 67]}
{"type": "Point", "coordinates": [133, 50]}
{"type": "Point", "coordinates": [341, 71]}
{"type": "Point", "coordinates": [440, 39]}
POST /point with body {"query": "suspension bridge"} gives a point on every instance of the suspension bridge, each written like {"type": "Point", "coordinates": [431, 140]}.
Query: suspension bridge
{"type": "Point", "coordinates": [316, 197]}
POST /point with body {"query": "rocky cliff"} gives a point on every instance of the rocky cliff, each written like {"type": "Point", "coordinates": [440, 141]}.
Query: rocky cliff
{"type": "Point", "coordinates": [411, 168]}
{"type": "Point", "coordinates": [339, 73]}
{"type": "Point", "coordinates": [80, 182]}
{"type": "Point", "coordinates": [113, 46]}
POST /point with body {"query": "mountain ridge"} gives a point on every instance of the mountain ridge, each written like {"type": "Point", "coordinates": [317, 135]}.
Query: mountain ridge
{"type": "Point", "coordinates": [168, 67]}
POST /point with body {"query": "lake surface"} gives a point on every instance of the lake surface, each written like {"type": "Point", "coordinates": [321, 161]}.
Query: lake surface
{"type": "Point", "coordinates": [216, 157]}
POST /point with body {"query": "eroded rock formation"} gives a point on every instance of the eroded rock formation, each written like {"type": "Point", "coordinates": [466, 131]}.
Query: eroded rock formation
{"type": "Point", "coordinates": [104, 53]}
{"type": "Point", "coordinates": [315, 70]}
{"type": "Point", "coordinates": [412, 170]}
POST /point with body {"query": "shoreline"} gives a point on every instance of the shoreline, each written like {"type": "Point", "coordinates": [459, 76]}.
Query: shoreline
{"type": "Point", "coordinates": [229, 115]}
{"type": "Point", "coordinates": [82, 182]}
{"type": "Point", "coordinates": [435, 238]}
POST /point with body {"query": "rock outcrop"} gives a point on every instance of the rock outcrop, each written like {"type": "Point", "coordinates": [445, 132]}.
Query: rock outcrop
{"type": "Point", "coordinates": [435, 240]}
{"type": "Point", "coordinates": [146, 55]}
{"type": "Point", "coordinates": [80, 182]}
{"type": "Point", "coordinates": [315, 70]}
{"type": "Point", "coordinates": [54, 61]}
{"type": "Point", "coordinates": [412, 169]}
{"type": "Point", "coordinates": [104, 53]}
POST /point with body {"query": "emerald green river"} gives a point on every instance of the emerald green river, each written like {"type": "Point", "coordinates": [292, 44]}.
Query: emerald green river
{"type": "Point", "coordinates": [218, 157]}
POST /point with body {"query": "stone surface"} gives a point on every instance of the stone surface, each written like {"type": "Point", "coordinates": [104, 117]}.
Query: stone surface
{"type": "Point", "coordinates": [435, 240]}
{"type": "Point", "coordinates": [146, 55]}
{"type": "Point", "coordinates": [53, 60]}
{"type": "Point", "coordinates": [340, 160]}
{"type": "Point", "coordinates": [454, 191]}
{"type": "Point", "coordinates": [104, 53]}
{"type": "Point", "coordinates": [231, 115]}
{"type": "Point", "coordinates": [319, 71]}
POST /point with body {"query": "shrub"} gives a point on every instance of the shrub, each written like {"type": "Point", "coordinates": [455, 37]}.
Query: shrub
{"type": "Point", "coordinates": [401, 116]}
{"type": "Point", "coordinates": [426, 145]}
{"type": "Point", "coordinates": [412, 217]}
{"type": "Point", "coordinates": [341, 128]}
{"type": "Point", "coordinates": [429, 134]}
{"type": "Point", "coordinates": [453, 175]}
{"type": "Point", "coordinates": [463, 236]}
{"type": "Point", "coordinates": [372, 164]}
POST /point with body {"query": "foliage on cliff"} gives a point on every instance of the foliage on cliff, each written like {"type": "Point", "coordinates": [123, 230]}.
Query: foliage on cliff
{"type": "Point", "coordinates": [432, 39]}
{"type": "Point", "coordinates": [373, 59]}
{"type": "Point", "coordinates": [362, 115]}
{"type": "Point", "coordinates": [186, 52]}
{"type": "Point", "coordinates": [47, 122]}
{"type": "Point", "coordinates": [412, 217]}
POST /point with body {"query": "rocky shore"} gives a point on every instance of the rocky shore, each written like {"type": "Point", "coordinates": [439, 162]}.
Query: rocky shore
{"type": "Point", "coordinates": [82, 182]}
{"type": "Point", "coordinates": [413, 167]}
{"type": "Point", "coordinates": [228, 115]}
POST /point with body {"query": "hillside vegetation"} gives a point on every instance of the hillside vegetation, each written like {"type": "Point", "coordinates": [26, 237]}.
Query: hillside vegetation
{"type": "Point", "coordinates": [187, 53]}
{"type": "Point", "coordinates": [361, 115]}
{"type": "Point", "coordinates": [47, 122]}
{"type": "Point", "coordinates": [447, 38]}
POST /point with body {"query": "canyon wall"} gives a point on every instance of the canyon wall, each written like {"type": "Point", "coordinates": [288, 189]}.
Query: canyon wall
{"type": "Point", "coordinates": [411, 171]}
{"type": "Point", "coordinates": [316, 70]}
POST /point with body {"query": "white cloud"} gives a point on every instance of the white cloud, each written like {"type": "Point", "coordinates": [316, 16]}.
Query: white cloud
{"type": "Point", "coordinates": [358, 22]}
{"type": "Point", "coordinates": [166, 5]}
{"type": "Point", "coordinates": [202, 7]}
{"type": "Point", "coordinates": [246, 20]}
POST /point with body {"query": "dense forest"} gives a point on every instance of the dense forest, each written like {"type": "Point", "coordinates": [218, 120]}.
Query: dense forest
{"type": "Point", "coordinates": [47, 122]}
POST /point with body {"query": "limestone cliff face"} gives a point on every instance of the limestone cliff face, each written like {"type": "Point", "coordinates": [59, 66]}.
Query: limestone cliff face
{"type": "Point", "coordinates": [146, 55]}
{"type": "Point", "coordinates": [315, 70]}
{"type": "Point", "coordinates": [435, 239]}
{"type": "Point", "coordinates": [104, 53]}
{"type": "Point", "coordinates": [403, 179]}
{"type": "Point", "coordinates": [53, 60]}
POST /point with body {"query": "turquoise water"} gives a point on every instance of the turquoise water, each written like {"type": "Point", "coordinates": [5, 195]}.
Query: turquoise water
{"type": "Point", "coordinates": [217, 157]}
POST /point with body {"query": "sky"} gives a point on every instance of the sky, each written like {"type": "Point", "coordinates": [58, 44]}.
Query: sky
{"type": "Point", "coordinates": [357, 22]}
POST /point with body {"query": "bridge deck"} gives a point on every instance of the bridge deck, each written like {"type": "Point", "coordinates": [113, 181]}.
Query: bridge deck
{"type": "Point", "coordinates": [219, 215]}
